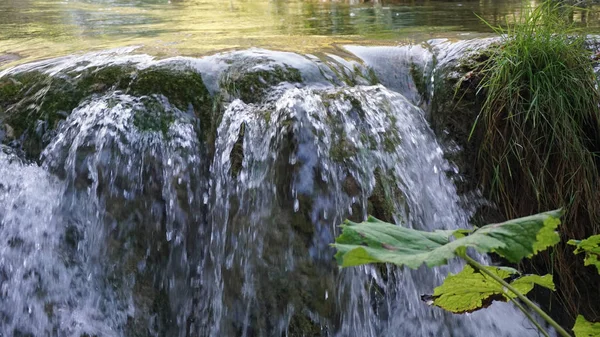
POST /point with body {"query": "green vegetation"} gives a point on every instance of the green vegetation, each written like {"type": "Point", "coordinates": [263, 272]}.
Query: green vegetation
{"type": "Point", "coordinates": [477, 285]}
{"type": "Point", "coordinates": [537, 135]}
{"type": "Point", "coordinates": [237, 153]}
{"type": "Point", "coordinates": [472, 290]}
{"type": "Point", "coordinates": [378, 241]}
{"type": "Point", "coordinates": [583, 328]}
{"type": "Point", "coordinates": [250, 84]}
{"type": "Point", "coordinates": [540, 117]}
{"type": "Point", "coordinates": [183, 87]}
{"type": "Point", "coordinates": [591, 248]}
{"type": "Point", "coordinates": [33, 103]}
{"type": "Point", "coordinates": [153, 116]}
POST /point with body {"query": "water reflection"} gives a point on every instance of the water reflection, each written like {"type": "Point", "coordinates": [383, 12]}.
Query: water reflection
{"type": "Point", "coordinates": [47, 27]}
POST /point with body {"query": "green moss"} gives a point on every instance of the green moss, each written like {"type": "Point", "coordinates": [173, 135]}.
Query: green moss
{"type": "Point", "coordinates": [267, 115]}
{"type": "Point", "coordinates": [301, 325]}
{"type": "Point", "coordinates": [389, 144]}
{"type": "Point", "coordinates": [372, 77]}
{"type": "Point", "coordinates": [9, 90]}
{"type": "Point", "coordinates": [153, 117]}
{"type": "Point", "coordinates": [344, 75]}
{"type": "Point", "coordinates": [99, 79]}
{"type": "Point", "coordinates": [455, 106]}
{"type": "Point", "coordinates": [183, 88]}
{"type": "Point", "coordinates": [381, 201]}
{"type": "Point", "coordinates": [418, 76]}
{"type": "Point", "coordinates": [237, 153]}
{"type": "Point", "coordinates": [342, 149]}
{"type": "Point", "coordinates": [356, 104]}
{"type": "Point", "coordinates": [33, 103]}
{"type": "Point", "coordinates": [33, 97]}
{"type": "Point", "coordinates": [251, 85]}
{"type": "Point", "coordinates": [391, 140]}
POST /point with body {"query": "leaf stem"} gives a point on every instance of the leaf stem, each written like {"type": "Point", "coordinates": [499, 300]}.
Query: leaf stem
{"type": "Point", "coordinates": [522, 297]}
{"type": "Point", "coordinates": [528, 315]}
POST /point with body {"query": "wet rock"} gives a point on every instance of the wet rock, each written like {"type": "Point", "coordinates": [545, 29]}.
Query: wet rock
{"type": "Point", "coordinates": [251, 79]}
{"type": "Point", "coordinates": [182, 86]}
{"type": "Point", "coordinates": [237, 153]}
{"type": "Point", "coordinates": [33, 97]}
{"type": "Point", "coordinates": [214, 214]}
{"type": "Point", "coordinates": [456, 104]}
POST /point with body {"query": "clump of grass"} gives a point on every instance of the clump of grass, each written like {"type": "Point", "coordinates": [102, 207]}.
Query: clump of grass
{"type": "Point", "coordinates": [539, 125]}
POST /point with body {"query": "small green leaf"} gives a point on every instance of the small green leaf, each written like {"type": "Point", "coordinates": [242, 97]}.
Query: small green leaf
{"type": "Point", "coordinates": [547, 236]}
{"type": "Point", "coordinates": [591, 247]}
{"type": "Point", "coordinates": [525, 284]}
{"type": "Point", "coordinates": [471, 290]}
{"type": "Point", "coordinates": [468, 291]}
{"type": "Point", "coordinates": [377, 241]}
{"type": "Point", "coordinates": [583, 328]}
{"type": "Point", "coordinates": [508, 269]}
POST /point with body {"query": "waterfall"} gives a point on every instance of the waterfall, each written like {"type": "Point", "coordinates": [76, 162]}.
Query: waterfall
{"type": "Point", "coordinates": [199, 196]}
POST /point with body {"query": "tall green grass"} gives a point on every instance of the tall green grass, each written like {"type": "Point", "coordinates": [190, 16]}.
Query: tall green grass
{"type": "Point", "coordinates": [539, 125]}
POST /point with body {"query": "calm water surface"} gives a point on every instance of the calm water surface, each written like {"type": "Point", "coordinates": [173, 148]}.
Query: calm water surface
{"type": "Point", "coordinates": [33, 29]}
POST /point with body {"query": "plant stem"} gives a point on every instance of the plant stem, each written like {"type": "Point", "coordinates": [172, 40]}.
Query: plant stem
{"type": "Point", "coordinates": [528, 315]}
{"type": "Point", "coordinates": [522, 297]}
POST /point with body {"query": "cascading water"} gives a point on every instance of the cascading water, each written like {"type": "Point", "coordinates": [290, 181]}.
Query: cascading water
{"type": "Point", "coordinates": [152, 213]}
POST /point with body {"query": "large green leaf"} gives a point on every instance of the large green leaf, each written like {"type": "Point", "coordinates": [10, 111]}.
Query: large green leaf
{"type": "Point", "coordinates": [472, 290]}
{"type": "Point", "coordinates": [377, 241]}
{"type": "Point", "coordinates": [591, 247]}
{"type": "Point", "coordinates": [583, 328]}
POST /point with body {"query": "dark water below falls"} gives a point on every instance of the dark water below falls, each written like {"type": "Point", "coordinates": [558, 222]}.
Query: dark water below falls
{"type": "Point", "coordinates": [199, 196]}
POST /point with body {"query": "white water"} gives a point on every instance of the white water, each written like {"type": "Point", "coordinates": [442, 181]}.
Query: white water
{"type": "Point", "coordinates": [126, 231]}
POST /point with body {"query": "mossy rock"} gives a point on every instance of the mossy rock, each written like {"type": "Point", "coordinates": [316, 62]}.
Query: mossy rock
{"type": "Point", "coordinates": [251, 84]}
{"type": "Point", "coordinates": [341, 149]}
{"type": "Point", "coordinates": [352, 74]}
{"type": "Point", "coordinates": [455, 106]}
{"type": "Point", "coordinates": [33, 103]}
{"type": "Point", "coordinates": [154, 117]}
{"type": "Point", "coordinates": [380, 203]}
{"type": "Point", "coordinates": [100, 79]}
{"type": "Point", "coordinates": [185, 89]}
{"type": "Point", "coordinates": [237, 153]}
{"type": "Point", "coordinates": [418, 76]}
